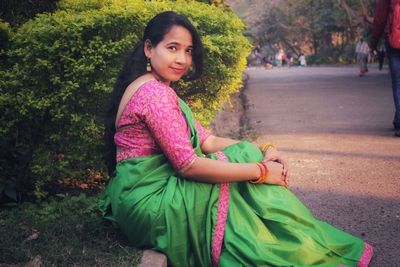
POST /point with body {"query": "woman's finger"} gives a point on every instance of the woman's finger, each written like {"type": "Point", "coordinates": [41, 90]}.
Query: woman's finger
{"type": "Point", "coordinates": [284, 183]}
{"type": "Point", "coordinates": [286, 169]}
{"type": "Point", "coordinates": [285, 166]}
{"type": "Point", "coordinates": [287, 177]}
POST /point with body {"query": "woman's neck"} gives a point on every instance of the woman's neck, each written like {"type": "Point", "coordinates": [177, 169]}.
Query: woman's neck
{"type": "Point", "coordinates": [159, 78]}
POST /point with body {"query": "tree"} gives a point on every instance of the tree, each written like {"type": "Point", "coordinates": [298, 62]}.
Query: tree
{"type": "Point", "coordinates": [323, 28]}
{"type": "Point", "coordinates": [358, 14]}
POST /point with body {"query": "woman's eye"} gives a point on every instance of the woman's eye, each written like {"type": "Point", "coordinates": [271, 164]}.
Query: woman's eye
{"type": "Point", "coordinates": [172, 48]}
{"type": "Point", "coordinates": [190, 51]}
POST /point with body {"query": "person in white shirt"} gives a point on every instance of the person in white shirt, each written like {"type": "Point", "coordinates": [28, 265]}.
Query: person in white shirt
{"type": "Point", "coordinates": [302, 60]}
{"type": "Point", "coordinates": [362, 51]}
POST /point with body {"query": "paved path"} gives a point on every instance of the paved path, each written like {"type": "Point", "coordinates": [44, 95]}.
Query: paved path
{"type": "Point", "coordinates": [335, 130]}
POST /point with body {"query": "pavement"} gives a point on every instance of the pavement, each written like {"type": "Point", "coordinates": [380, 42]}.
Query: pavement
{"type": "Point", "coordinates": [334, 128]}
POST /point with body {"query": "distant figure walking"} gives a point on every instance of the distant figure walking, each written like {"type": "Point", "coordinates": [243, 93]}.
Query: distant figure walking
{"type": "Point", "coordinates": [302, 60]}
{"type": "Point", "coordinates": [362, 51]}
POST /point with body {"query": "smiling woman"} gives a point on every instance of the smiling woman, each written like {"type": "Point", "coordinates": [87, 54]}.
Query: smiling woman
{"type": "Point", "coordinates": [200, 199]}
{"type": "Point", "coordinates": [172, 57]}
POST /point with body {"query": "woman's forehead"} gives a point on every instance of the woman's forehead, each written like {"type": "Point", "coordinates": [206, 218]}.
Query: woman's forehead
{"type": "Point", "coordinates": [178, 34]}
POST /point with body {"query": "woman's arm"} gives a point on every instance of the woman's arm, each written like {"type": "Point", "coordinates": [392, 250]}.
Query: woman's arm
{"type": "Point", "coordinates": [215, 171]}
{"type": "Point", "coordinates": [214, 143]}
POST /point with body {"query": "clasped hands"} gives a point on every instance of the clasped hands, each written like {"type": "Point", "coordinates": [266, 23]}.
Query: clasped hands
{"type": "Point", "coordinates": [278, 169]}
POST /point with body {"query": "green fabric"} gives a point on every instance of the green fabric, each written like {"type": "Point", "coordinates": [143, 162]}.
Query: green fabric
{"type": "Point", "coordinates": [266, 225]}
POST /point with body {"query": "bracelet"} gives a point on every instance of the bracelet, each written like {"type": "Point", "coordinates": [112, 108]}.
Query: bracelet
{"type": "Point", "coordinates": [266, 146]}
{"type": "Point", "coordinates": [263, 176]}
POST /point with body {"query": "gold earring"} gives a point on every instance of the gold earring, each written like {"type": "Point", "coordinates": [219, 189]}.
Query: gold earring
{"type": "Point", "coordinates": [148, 65]}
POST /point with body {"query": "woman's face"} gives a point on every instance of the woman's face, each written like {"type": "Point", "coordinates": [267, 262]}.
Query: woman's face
{"type": "Point", "coordinates": [172, 57]}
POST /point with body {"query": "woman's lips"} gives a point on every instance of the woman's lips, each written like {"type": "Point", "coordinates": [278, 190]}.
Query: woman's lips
{"type": "Point", "coordinates": [177, 70]}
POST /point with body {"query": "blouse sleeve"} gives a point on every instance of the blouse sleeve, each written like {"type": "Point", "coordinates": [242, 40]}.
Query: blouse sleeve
{"type": "Point", "coordinates": [203, 133]}
{"type": "Point", "coordinates": [167, 125]}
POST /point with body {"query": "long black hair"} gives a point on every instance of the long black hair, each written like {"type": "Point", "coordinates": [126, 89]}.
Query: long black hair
{"type": "Point", "coordinates": [135, 66]}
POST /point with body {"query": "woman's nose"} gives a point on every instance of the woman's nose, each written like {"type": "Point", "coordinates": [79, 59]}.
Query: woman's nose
{"type": "Point", "coordinates": [181, 57]}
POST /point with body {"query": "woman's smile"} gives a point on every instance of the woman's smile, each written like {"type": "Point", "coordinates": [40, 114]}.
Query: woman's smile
{"type": "Point", "coordinates": [178, 70]}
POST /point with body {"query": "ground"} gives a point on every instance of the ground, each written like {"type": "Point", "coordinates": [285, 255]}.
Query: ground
{"type": "Point", "coordinates": [334, 128]}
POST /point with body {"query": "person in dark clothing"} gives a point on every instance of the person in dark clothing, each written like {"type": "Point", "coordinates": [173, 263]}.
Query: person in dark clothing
{"type": "Point", "coordinates": [380, 27]}
{"type": "Point", "coordinates": [381, 50]}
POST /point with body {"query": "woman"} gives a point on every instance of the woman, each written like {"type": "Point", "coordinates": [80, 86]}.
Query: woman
{"type": "Point", "coordinates": [200, 199]}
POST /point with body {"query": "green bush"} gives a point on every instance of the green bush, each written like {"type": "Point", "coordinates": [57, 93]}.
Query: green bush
{"type": "Point", "coordinates": [62, 67]}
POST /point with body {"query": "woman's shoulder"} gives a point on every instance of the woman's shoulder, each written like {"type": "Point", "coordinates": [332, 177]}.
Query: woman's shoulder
{"type": "Point", "coordinates": [146, 86]}
{"type": "Point", "coordinates": [157, 86]}
{"type": "Point", "coordinates": [150, 94]}
{"type": "Point", "coordinates": [143, 95]}
{"type": "Point", "coordinates": [156, 91]}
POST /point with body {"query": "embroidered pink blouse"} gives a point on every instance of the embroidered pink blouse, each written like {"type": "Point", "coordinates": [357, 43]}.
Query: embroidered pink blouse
{"type": "Point", "coordinates": [152, 123]}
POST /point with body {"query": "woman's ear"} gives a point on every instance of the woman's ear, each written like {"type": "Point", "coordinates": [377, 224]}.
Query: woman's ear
{"type": "Point", "coordinates": [147, 48]}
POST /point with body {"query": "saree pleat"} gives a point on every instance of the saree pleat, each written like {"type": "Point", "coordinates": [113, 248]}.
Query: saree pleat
{"type": "Point", "coordinates": [266, 225]}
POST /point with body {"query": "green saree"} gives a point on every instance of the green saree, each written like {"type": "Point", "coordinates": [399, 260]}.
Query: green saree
{"type": "Point", "coordinates": [235, 224]}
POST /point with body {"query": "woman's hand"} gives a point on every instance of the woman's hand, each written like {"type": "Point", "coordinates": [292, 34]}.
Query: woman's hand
{"type": "Point", "coordinates": [275, 174]}
{"type": "Point", "coordinates": [272, 154]}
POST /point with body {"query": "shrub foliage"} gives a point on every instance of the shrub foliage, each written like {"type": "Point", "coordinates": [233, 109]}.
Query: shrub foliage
{"type": "Point", "coordinates": [59, 68]}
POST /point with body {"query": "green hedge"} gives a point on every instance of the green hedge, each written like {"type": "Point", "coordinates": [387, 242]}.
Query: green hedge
{"type": "Point", "coordinates": [62, 67]}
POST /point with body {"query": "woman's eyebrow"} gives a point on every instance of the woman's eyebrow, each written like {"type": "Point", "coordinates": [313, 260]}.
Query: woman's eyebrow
{"type": "Point", "coordinates": [179, 44]}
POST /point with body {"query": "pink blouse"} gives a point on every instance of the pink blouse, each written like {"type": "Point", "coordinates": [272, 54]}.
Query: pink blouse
{"type": "Point", "coordinates": [152, 123]}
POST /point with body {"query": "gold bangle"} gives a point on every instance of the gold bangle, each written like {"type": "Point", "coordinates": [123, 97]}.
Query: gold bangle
{"type": "Point", "coordinates": [266, 172]}
{"type": "Point", "coordinates": [263, 176]}
{"type": "Point", "coordinates": [266, 146]}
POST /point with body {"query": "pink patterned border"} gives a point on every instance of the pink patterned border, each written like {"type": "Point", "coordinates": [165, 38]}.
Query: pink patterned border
{"type": "Point", "coordinates": [365, 257]}
{"type": "Point", "coordinates": [223, 205]}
